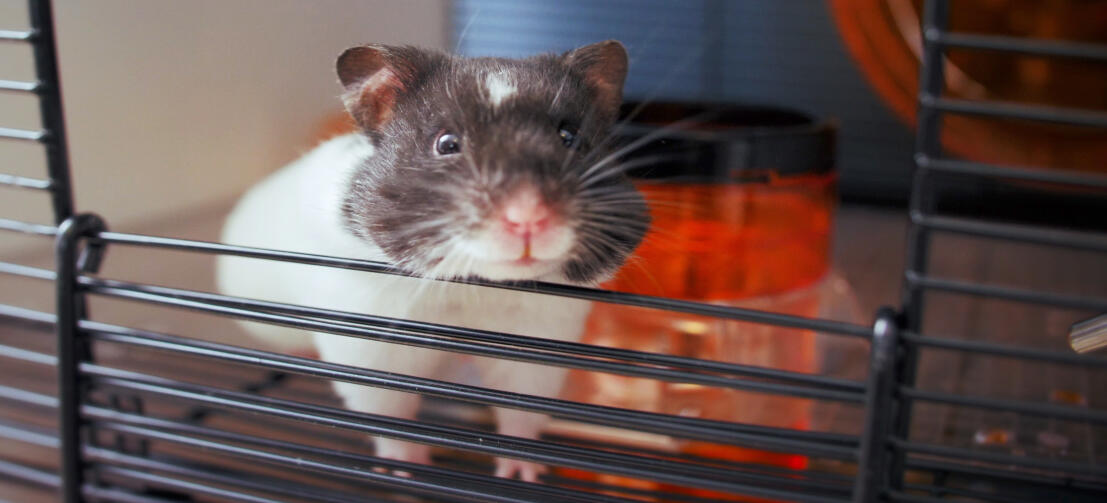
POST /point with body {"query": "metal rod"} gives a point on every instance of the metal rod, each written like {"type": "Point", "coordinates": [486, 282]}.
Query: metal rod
{"type": "Point", "coordinates": [991, 348]}
{"type": "Point", "coordinates": [26, 271]}
{"type": "Point", "coordinates": [71, 349]}
{"type": "Point", "coordinates": [1051, 48]}
{"type": "Point", "coordinates": [1013, 232]}
{"type": "Point", "coordinates": [356, 471]}
{"type": "Point", "coordinates": [50, 107]}
{"type": "Point", "coordinates": [28, 434]}
{"type": "Point", "coordinates": [27, 355]}
{"type": "Point", "coordinates": [16, 36]}
{"type": "Point", "coordinates": [451, 342]}
{"type": "Point", "coordinates": [186, 430]}
{"type": "Point", "coordinates": [959, 167]}
{"type": "Point", "coordinates": [1057, 481]}
{"type": "Point", "coordinates": [927, 145]}
{"type": "Point", "coordinates": [20, 86]}
{"type": "Point", "coordinates": [27, 314]}
{"type": "Point", "coordinates": [646, 301]}
{"type": "Point", "coordinates": [718, 431]}
{"type": "Point", "coordinates": [700, 366]}
{"type": "Point", "coordinates": [28, 397]}
{"type": "Point", "coordinates": [1008, 293]}
{"type": "Point", "coordinates": [94, 493]}
{"type": "Point", "coordinates": [1030, 408]}
{"type": "Point", "coordinates": [27, 227]}
{"type": "Point", "coordinates": [24, 182]}
{"type": "Point", "coordinates": [660, 470]}
{"type": "Point", "coordinates": [181, 485]}
{"type": "Point", "coordinates": [872, 471]}
{"type": "Point", "coordinates": [1089, 335]}
{"type": "Point", "coordinates": [22, 134]}
{"type": "Point", "coordinates": [1011, 110]}
{"type": "Point", "coordinates": [28, 474]}
{"type": "Point", "coordinates": [999, 459]}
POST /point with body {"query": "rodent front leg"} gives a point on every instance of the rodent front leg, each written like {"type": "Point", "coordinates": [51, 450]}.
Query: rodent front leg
{"type": "Point", "coordinates": [527, 378]}
{"type": "Point", "coordinates": [386, 357]}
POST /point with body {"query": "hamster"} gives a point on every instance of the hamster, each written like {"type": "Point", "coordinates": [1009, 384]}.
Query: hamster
{"type": "Point", "coordinates": [490, 168]}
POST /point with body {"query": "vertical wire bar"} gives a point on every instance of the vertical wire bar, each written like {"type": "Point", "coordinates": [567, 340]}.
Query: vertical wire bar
{"type": "Point", "coordinates": [872, 474]}
{"type": "Point", "coordinates": [927, 146]}
{"type": "Point", "coordinates": [72, 348]}
{"type": "Point", "coordinates": [50, 107]}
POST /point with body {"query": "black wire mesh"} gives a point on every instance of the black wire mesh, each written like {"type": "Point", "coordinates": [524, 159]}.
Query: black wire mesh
{"type": "Point", "coordinates": [125, 432]}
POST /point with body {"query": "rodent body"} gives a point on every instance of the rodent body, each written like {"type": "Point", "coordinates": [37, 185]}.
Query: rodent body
{"type": "Point", "coordinates": [415, 188]}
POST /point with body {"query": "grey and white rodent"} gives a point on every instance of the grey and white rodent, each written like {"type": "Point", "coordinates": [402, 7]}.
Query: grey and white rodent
{"type": "Point", "coordinates": [487, 168]}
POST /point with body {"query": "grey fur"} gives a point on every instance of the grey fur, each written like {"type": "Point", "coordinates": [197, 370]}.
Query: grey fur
{"type": "Point", "coordinates": [410, 201]}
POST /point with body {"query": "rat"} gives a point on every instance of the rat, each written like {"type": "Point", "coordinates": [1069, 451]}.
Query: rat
{"type": "Point", "coordinates": [461, 168]}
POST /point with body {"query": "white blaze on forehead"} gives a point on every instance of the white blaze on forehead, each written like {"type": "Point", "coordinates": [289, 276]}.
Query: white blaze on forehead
{"type": "Point", "coordinates": [499, 87]}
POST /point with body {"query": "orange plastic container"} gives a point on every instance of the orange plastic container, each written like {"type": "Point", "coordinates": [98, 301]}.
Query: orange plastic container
{"type": "Point", "coordinates": [742, 217]}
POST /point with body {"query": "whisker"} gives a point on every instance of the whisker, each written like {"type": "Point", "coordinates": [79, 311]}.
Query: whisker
{"type": "Point", "coordinates": [653, 135]}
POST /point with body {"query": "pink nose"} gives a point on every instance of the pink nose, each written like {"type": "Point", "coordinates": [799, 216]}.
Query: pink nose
{"type": "Point", "coordinates": [525, 213]}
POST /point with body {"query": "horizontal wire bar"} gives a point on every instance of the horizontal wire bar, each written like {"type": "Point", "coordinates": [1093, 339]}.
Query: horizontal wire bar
{"type": "Point", "coordinates": [991, 348]}
{"type": "Point", "coordinates": [28, 397]}
{"type": "Point", "coordinates": [1011, 110]}
{"type": "Point", "coordinates": [26, 271]}
{"type": "Point", "coordinates": [181, 485]}
{"type": "Point", "coordinates": [646, 301]}
{"type": "Point", "coordinates": [1014, 232]}
{"type": "Point", "coordinates": [245, 480]}
{"type": "Point", "coordinates": [781, 439]}
{"type": "Point", "coordinates": [1066, 480]}
{"type": "Point", "coordinates": [17, 35]}
{"type": "Point", "coordinates": [172, 296]}
{"type": "Point", "coordinates": [693, 428]}
{"type": "Point", "coordinates": [29, 474]}
{"type": "Point", "coordinates": [164, 426]}
{"type": "Point", "coordinates": [25, 182]}
{"type": "Point", "coordinates": [1053, 48]}
{"type": "Point", "coordinates": [1007, 293]}
{"type": "Point", "coordinates": [27, 227]}
{"type": "Point", "coordinates": [27, 355]}
{"type": "Point", "coordinates": [894, 495]}
{"type": "Point", "coordinates": [1023, 407]}
{"type": "Point", "coordinates": [450, 342]}
{"type": "Point", "coordinates": [368, 472]}
{"type": "Point", "coordinates": [486, 484]}
{"type": "Point", "coordinates": [451, 437]}
{"type": "Point", "coordinates": [25, 314]}
{"type": "Point", "coordinates": [94, 493]}
{"type": "Point", "coordinates": [1047, 175]}
{"type": "Point", "coordinates": [20, 86]}
{"type": "Point", "coordinates": [1010, 461]}
{"type": "Point", "coordinates": [28, 434]}
{"type": "Point", "coordinates": [23, 134]}
{"type": "Point", "coordinates": [985, 495]}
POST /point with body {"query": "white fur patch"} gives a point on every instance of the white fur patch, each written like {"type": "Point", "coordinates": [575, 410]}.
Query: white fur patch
{"type": "Point", "coordinates": [499, 88]}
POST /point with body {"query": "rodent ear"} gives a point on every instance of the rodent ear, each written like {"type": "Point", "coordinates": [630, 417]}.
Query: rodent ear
{"type": "Point", "coordinates": [604, 67]}
{"type": "Point", "coordinates": [374, 76]}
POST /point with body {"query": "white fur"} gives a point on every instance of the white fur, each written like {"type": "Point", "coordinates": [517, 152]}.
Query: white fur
{"type": "Point", "coordinates": [499, 87]}
{"type": "Point", "coordinates": [298, 209]}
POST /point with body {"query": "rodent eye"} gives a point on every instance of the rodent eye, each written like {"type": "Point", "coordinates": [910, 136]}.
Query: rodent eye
{"type": "Point", "coordinates": [447, 144]}
{"type": "Point", "coordinates": [568, 135]}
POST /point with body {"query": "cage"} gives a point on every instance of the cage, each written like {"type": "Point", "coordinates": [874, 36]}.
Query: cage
{"type": "Point", "coordinates": [967, 390]}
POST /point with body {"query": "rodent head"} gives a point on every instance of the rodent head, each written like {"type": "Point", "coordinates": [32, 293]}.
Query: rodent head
{"type": "Point", "coordinates": [492, 168]}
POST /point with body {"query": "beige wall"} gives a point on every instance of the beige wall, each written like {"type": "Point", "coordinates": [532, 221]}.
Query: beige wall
{"type": "Point", "coordinates": [173, 105]}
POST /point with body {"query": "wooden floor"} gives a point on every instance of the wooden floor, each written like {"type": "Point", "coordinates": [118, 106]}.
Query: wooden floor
{"type": "Point", "coordinates": [868, 256]}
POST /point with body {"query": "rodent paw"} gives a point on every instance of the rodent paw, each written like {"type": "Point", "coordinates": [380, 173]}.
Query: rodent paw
{"type": "Point", "coordinates": [526, 470]}
{"type": "Point", "coordinates": [403, 451]}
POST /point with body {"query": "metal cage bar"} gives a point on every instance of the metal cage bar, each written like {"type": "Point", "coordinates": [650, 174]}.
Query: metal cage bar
{"type": "Point", "coordinates": [925, 221]}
